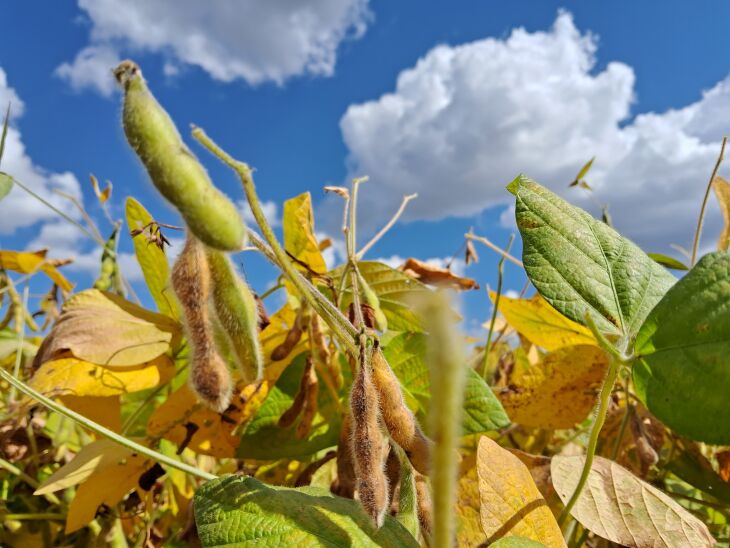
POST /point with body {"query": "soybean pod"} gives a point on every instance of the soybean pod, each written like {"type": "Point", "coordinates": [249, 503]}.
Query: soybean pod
{"type": "Point", "coordinates": [174, 170]}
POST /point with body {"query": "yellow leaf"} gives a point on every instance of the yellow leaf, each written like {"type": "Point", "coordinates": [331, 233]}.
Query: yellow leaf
{"type": "Point", "coordinates": [544, 326]}
{"type": "Point", "coordinates": [71, 376]}
{"type": "Point", "coordinates": [558, 392]}
{"type": "Point", "coordinates": [468, 530]}
{"type": "Point", "coordinates": [274, 334]}
{"type": "Point", "coordinates": [105, 329]}
{"type": "Point", "coordinates": [104, 410]}
{"type": "Point", "coordinates": [511, 504]}
{"type": "Point", "coordinates": [107, 485]}
{"type": "Point", "coordinates": [28, 262]}
{"type": "Point", "coordinates": [299, 238]}
{"type": "Point", "coordinates": [214, 434]}
{"type": "Point", "coordinates": [722, 191]}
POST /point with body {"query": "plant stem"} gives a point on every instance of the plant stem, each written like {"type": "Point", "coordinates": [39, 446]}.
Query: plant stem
{"type": "Point", "coordinates": [28, 517]}
{"type": "Point", "coordinates": [387, 226]}
{"type": "Point", "coordinates": [613, 366]}
{"type": "Point", "coordinates": [99, 429]}
{"type": "Point", "coordinates": [494, 247]}
{"type": "Point", "coordinates": [5, 465]}
{"type": "Point", "coordinates": [701, 219]}
{"type": "Point", "coordinates": [21, 337]}
{"type": "Point", "coordinates": [500, 279]}
{"type": "Point", "coordinates": [317, 300]}
{"type": "Point", "coordinates": [624, 423]}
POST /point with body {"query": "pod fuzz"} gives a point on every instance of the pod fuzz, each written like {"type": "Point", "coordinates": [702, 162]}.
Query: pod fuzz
{"type": "Point", "coordinates": [209, 377]}
{"type": "Point", "coordinates": [344, 484]}
{"type": "Point", "coordinates": [174, 170]}
{"type": "Point", "coordinates": [237, 312]}
{"type": "Point", "coordinates": [398, 418]}
{"type": "Point", "coordinates": [292, 338]}
{"type": "Point", "coordinates": [369, 446]}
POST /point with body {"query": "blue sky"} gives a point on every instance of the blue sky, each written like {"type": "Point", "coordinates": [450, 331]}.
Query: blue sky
{"type": "Point", "coordinates": [444, 99]}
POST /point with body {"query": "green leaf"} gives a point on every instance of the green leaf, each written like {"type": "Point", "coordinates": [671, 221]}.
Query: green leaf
{"type": "Point", "coordinates": [242, 511]}
{"type": "Point", "coordinates": [582, 173]}
{"type": "Point", "coordinates": [690, 465]}
{"type": "Point", "coordinates": [483, 411]}
{"type": "Point", "coordinates": [393, 289]}
{"type": "Point", "coordinates": [151, 260]}
{"type": "Point", "coordinates": [618, 506]}
{"type": "Point", "coordinates": [682, 372]}
{"type": "Point", "coordinates": [517, 542]}
{"type": "Point", "coordinates": [407, 507]}
{"type": "Point", "coordinates": [265, 440]}
{"type": "Point", "coordinates": [6, 184]}
{"type": "Point", "coordinates": [581, 265]}
{"type": "Point", "coordinates": [667, 261]}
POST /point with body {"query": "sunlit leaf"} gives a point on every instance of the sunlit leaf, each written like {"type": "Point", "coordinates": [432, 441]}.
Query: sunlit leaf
{"type": "Point", "coordinates": [544, 326]}
{"type": "Point", "coordinates": [28, 262]}
{"type": "Point", "coordinates": [689, 464]}
{"type": "Point", "coordinates": [618, 506]}
{"type": "Point", "coordinates": [581, 265]}
{"type": "Point", "coordinates": [435, 275]}
{"type": "Point", "coordinates": [667, 261]}
{"type": "Point", "coordinates": [683, 367]}
{"type": "Point", "coordinates": [151, 259]}
{"type": "Point", "coordinates": [722, 191]}
{"type": "Point", "coordinates": [71, 376]}
{"type": "Point", "coordinates": [582, 173]}
{"type": "Point", "coordinates": [242, 511]}
{"type": "Point", "coordinates": [6, 184]}
{"type": "Point", "coordinates": [101, 195]}
{"type": "Point", "coordinates": [468, 528]}
{"type": "Point", "coordinates": [105, 329]}
{"type": "Point", "coordinates": [104, 410]}
{"type": "Point", "coordinates": [559, 391]}
{"type": "Point", "coordinates": [511, 505]}
{"type": "Point", "coordinates": [299, 238]}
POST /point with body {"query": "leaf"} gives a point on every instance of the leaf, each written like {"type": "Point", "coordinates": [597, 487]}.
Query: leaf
{"type": "Point", "coordinates": [9, 344]}
{"type": "Point", "coordinates": [71, 376]}
{"type": "Point", "coordinates": [582, 173]}
{"type": "Point", "coordinates": [29, 262]}
{"type": "Point", "coordinates": [435, 275]}
{"type": "Point", "coordinates": [544, 326]}
{"type": "Point", "coordinates": [689, 464]}
{"type": "Point", "coordinates": [299, 238]}
{"type": "Point", "coordinates": [667, 261]}
{"type": "Point", "coordinates": [152, 260]}
{"type": "Point", "coordinates": [468, 529]}
{"type": "Point", "coordinates": [105, 329]}
{"type": "Point", "coordinates": [516, 542]}
{"type": "Point", "coordinates": [581, 265]}
{"type": "Point", "coordinates": [6, 184]}
{"type": "Point", "coordinates": [559, 391]}
{"type": "Point", "coordinates": [104, 410]}
{"type": "Point", "coordinates": [511, 505]}
{"type": "Point", "coordinates": [264, 439]}
{"type": "Point", "coordinates": [242, 511]}
{"type": "Point", "coordinates": [213, 432]}
{"type": "Point", "coordinates": [393, 288]}
{"type": "Point", "coordinates": [483, 412]}
{"type": "Point", "coordinates": [722, 192]}
{"type": "Point", "coordinates": [618, 506]}
{"type": "Point", "coordinates": [101, 195]}
{"type": "Point", "coordinates": [683, 366]}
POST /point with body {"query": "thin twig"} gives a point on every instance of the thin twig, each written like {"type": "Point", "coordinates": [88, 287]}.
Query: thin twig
{"type": "Point", "coordinates": [387, 226]}
{"type": "Point", "coordinates": [21, 337]}
{"type": "Point", "coordinates": [494, 247]}
{"type": "Point", "coordinates": [500, 279]}
{"type": "Point", "coordinates": [84, 214]}
{"type": "Point", "coordinates": [701, 219]}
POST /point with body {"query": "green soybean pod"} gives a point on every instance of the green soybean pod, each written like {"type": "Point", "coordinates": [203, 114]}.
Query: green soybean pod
{"type": "Point", "coordinates": [174, 170]}
{"type": "Point", "coordinates": [237, 312]}
{"type": "Point", "coordinates": [371, 299]}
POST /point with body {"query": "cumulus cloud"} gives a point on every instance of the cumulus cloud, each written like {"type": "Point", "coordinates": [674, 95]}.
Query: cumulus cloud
{"type": "Point", "coordinates": [466, 119]}
{"type": "Point", "coordinates": [248, 40]}
{"type": "Point", "coordinates": [269, 207]}
{"type": "Point", "coordinates": [92, 68]}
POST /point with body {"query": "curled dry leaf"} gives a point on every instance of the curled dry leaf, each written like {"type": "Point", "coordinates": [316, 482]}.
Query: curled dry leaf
{"type": "Point", "coordinates": [435, 275]}
{"type": "Point", "coordinates": [539, 322]}
{"type": "Point", "coordinates": [619, 507]}
{"type": "Point", "coordinates": [105, 329]}
{"type": "Point", "coordinates": [558, 392]}
{"type": "Point", "coordinates": [28, 262]}
{"type": "Point", "coordinates": [511, 504]}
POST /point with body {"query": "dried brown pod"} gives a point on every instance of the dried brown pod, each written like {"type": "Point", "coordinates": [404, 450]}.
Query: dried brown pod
{"type": "Point", "coordinates": [309, 408]}
{"type": "Point", "coordinates": [292, 338]}
{"type": "Point", "coordinates": [322, 356]}
{"type": "Point", "coordinates": [398, 418]}
{"type": "Point", "coordinates": [425, 505]}
{"type": "Point", "coordinates": [305, 478]}
{"type": "Point", "coordinates": [392, 472]}
{"type": "Point", "coordinates": [368, 444]}
{"type": "Point", "coordinates": [209, 376]}
{"type": "Point", "coordinates": [264, 319]}
{"type": "Point", "coordinates": [471, 255]}
{"type": "Point", "coordinates": [344, 483]}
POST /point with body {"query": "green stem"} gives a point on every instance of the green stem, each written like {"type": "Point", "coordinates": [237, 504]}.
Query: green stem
{"type": "Point", "coordinates": [624, 423]}
{"type": "Point", "coordinates": [282, 260]}
{"type": "Point", "coordinates": [99, 429]}
{"type": "Point", "coordinates": [604, 399]}
{"type": "Point", "coordinates": [5, 465]}
{"type": "Point", "coordinates": [28, 517]}
{"type": "Point", "coordinates": [700, 220]}
{"type": "Point", "coordinates": [500, 279]}
{"type": "Point", "coordinates": [21, 338]}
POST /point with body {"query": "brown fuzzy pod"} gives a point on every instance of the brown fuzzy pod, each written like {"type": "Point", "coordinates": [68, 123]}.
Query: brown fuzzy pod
{"type": "Point", "coordinates": [398, 418]}
{"type": "Point", "coordinates": [368, 444]}
{"type": "Point", "coordinates": [209, 376]}
{"type": "Point", "coordinates": [425, 505]}
{"type": "Point", "coordinates": [323, 356]}
{"type": "Point", "coordinates": [309, 409]}
{"type": "Point", "coordinates": [292, 338]}
{"type": "Point", "coordinates": [344, 483]}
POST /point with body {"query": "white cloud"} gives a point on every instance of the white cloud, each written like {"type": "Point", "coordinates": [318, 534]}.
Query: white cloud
{"type": "Point", "coordinates": [92, 68]}
{"type": "Point", "coordinates": [248, 40]}
{"type": "Point", "coordinates": [19, 209]}
{"type": "Point", "coordinates": [466, 119]}
{"type": "Point", "coordinates": [269, 207]}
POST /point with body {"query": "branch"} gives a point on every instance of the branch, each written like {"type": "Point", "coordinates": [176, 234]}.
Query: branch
{"type": "Point", "coordinates": [387, 226]}
{"type": "Point", "coordinates": [493, 247]}
{"type": "Point", "coordinates": [701, 219]}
